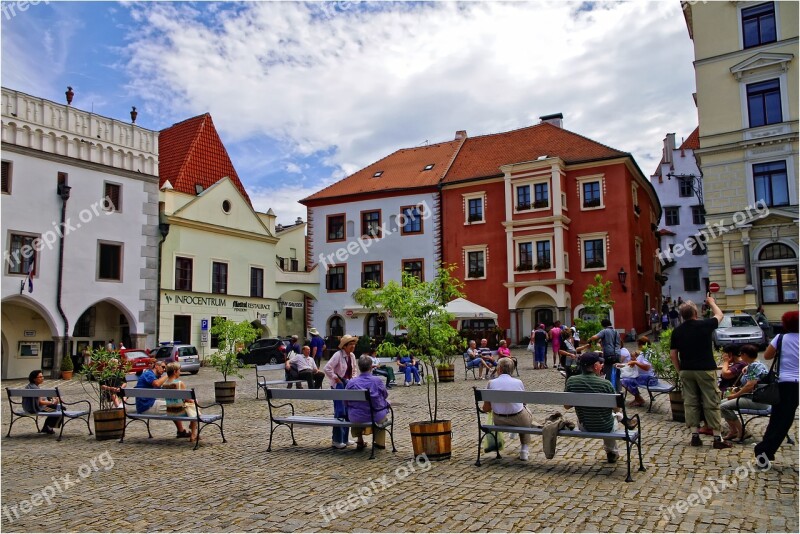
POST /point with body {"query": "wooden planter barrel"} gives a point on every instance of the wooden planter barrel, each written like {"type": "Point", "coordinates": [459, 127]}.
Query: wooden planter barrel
{"type": "Point", "coordinates": [676, 403]}
{"type": "Point", "coordinates": [432, 438]}
{"type": "Point", "coordinates": [446, 374]}
{"type": "Point", "coordinates": [109, 424]}
{"type": "Point", "coordinates": [225, 392]}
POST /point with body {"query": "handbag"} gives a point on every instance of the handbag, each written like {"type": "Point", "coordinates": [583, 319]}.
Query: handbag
{"type": "Point", "coordinates": [531, 347]}
{"type": "Point", "coordinates": [767, 390]}
{"type": "Point", "coordinates": [629, 371]}
{"type": "Point", "coordinates": [489, 442]}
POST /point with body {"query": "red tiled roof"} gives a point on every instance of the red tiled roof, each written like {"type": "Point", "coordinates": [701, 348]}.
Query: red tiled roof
{"type": "Point", "coordinates": [693, 141]}
{"type": "Point", "coordinates": [664, 231]}
{"type": "Point", "coordinates": [404, 169]}
{"type": "Point", "coordinates": [191, 152]}
{"type": "Point", "coordinates": [482, 156]}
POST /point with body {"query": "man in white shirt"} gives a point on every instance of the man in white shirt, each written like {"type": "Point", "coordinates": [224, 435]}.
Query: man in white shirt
{"type": "Point", "coordinates": [305, 368]}
{"type": "Point", "coordinates": [510, 413]}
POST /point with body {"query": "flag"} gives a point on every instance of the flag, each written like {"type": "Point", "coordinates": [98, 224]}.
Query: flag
{"type": "Point", "coordinates": [30, 278]}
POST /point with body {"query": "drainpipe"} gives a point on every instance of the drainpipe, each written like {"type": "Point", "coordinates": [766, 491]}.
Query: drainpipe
{"type": "Point", "coordinates": [63, 192]}
{"type": "Point", "coordinates": [163, 228]}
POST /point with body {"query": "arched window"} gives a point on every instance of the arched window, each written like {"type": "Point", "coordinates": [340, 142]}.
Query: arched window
{"type": "Point", "coordinates": [776, 251]}
{"type": "Point", "coordinates": [336, 326]}
{"type": "Point", "coordinates": [376, 326]}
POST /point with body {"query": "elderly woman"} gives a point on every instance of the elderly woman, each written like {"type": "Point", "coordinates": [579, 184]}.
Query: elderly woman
{"type": "Point", "coordinates": [474, 359]}
{"type": "Point", "coordinates": [359, 411]}
{"type": "Point", "coordinates": [645, 377]}
{"type": "Point", "coordinates": [739, 397]}
{"type": "Point", "coordinates": [732, 367]}
{"type": "Point", "coordinates": [340, 369]}
{"type": "Point", "coordinates": [785, 347]}
{"type": "Point", "coordinates": [184, 407]}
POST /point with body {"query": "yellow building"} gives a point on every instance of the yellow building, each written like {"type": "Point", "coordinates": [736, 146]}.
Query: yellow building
{"type": "Point", "coordinates": [746, 69]}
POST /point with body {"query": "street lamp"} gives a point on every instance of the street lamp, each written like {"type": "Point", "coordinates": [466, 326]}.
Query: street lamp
{"type": "Point", "coordinates": [694, 182]}
{"type": "Point", "coordinates": [622, 275]}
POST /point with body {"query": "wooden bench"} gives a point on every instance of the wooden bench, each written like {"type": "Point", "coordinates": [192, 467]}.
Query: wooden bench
{"type": "Point", "coordinates": [631, 427]}
{"type": "Point", "coordinates": [262, 381]}
{"type": "Point", "coordinates": [17, 411]}
{"type": "Point", "coordinates": [202, 420]}
{"type": "Point", "coordinates": [293, 419]}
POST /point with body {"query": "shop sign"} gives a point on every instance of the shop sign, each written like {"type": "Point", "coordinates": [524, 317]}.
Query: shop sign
{"type": "Point", "coordinates": [29, 333]}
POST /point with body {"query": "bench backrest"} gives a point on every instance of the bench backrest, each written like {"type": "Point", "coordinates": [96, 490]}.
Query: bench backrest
{"type": "Point", "coordinates": [593, 400]}
{"type": "Point", "coordinates": [270, 367]}
{"type": "Point", "coordinates": [385, 361]}
{"type": "Point", "coordinates": [22, 392]}
{"type": "Point", "coordinates": [152, 393]}
{"type": "Point", "coordinates": [319, 394]}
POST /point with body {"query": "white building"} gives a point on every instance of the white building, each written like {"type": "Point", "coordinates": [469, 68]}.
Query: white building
{"type": "Point", "coordinates": [373, 225]}
{"type": "Point", "coordinates": [94, 276]}
{"type": "Point", "coordinates": [678, 182]}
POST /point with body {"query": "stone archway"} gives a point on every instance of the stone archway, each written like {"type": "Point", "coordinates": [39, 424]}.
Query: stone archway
{"type": "Point", "coordinates": [30, 338]}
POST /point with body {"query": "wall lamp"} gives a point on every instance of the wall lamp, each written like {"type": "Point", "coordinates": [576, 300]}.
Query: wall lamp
{"type": "Point", "coordinates": [622, 275]}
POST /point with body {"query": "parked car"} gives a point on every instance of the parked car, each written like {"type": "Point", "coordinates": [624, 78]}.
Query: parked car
{"type": "Point", "coordinates": [739, 329]}
{"type": "Point", "coordinates": [266, 350]}
{"type": "Point", "coordinates": [179, 352]}
{"type": "Point", "coordinates": [139, 359]}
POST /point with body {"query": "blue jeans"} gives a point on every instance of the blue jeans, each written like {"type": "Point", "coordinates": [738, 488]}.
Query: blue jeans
{"type": "Point", "coordinates": [410, 370]}
{"type": "Point", "coordinates": [340, 412]}
{"type": "Point", "coordinates": [540, 351]}
{"type": "Point", "coordinates": [632, 383]}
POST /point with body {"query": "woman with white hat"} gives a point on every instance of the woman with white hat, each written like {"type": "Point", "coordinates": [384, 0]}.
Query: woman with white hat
{"type": "Point", "coordinates": [339, 369]}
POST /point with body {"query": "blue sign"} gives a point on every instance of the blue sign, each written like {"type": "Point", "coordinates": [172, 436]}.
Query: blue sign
{"type": "Point", "coordinates": [204, 324]}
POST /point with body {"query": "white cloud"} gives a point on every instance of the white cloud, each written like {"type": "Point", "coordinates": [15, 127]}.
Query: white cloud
{"type": "Point", "coordinates": [367, 80]}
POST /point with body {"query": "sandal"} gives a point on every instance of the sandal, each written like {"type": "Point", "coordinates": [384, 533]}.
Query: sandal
{"type": "Point", "coordinates": [184, 434]}
{"type": "Point", "coordinates": [731, 437]}
{"type": "Point", "coordinates": [361, 446]}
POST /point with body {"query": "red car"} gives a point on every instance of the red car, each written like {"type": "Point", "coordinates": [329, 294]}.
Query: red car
{"type": "Point", "coordinates": [139, 359]}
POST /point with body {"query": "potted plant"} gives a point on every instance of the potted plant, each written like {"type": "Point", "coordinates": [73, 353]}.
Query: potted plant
{"type": "Point", "coordinates": [544, 264]}
{"type": "Point", "coordinates": [419, 307]}
{"type": "Point", "coordinates": [541, 203]}
{"type": "Point", "coordinates": [234, 338]}
{"type": "Point", "coordinates": [67, 367]}
{"type": "Point", "coordinates": [522, 206]}
{"type": "Point", "coordinates": [665, 370]}
{"type": "Point", "coordinates": [524, 267]}
{"type": "Point", "coordinates": [474, 217]}
{"type": "Point", "coordinates": [102, 373]}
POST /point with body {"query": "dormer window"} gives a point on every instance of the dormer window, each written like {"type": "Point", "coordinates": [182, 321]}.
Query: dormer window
{"type": "Point", "coordinates": [377, 174]}
{"type": "Point", "coordinates": [428, 167]}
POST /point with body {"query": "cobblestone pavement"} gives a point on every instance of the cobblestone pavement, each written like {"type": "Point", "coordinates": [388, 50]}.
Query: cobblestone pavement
{"type": "Point", "coordinates": [162, 484]}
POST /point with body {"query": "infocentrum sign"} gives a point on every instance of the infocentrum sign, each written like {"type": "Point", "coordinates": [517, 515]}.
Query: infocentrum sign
{"type": "Point", "coordinates": [216, 302]}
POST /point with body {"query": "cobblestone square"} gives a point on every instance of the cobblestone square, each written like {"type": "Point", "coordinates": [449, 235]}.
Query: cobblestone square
{"type": "Point", "coordinates": [161, 484]}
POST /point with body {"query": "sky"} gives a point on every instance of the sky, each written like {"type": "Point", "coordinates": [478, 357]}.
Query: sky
{"type": "Point", "coordinates": [306, 93]}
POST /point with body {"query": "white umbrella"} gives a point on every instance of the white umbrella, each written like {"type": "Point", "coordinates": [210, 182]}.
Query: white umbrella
{"type": "Point", "coordinates": [464, 309]}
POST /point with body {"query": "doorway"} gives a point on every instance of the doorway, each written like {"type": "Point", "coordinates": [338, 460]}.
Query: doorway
{"type": "Point", "coordinates": [182, 329]}
{"type": "Point", "coordinates": [542, 316]}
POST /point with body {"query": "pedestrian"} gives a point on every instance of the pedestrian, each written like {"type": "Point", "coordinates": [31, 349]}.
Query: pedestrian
{"type": "Point", "coordinates": [554, 335]}
{"type": "Point", "coordinates": [317, 345]}
{"type": "Point", "coordinates": [693, 357]}
{"type": "Point", "coordinates": [783, 413]}
{"type": "Point", "coordinates": [340, 369]}
{"type": "Point", "coordinates": [111, 347]}
{"type": "Point", "coordinates": [664, 321]}
{"type": "Point", "coordinates": [611, 345]}
{"type": "Point", "coordinates": [294, 346]}
{"type": "Point", "coordinates": [674, 317]}
{"type": "Point", "coordinates": [655, 322]}
{"type": "Point", "coordinates": [539, 338]}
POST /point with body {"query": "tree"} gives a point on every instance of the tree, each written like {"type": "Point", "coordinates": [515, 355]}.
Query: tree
{"type": "Point", "coordinates": [234, 339]}
{"type": "Point", "coordinates": [597, 304]}
{"type": "Point", "coordinates": [418, 307]}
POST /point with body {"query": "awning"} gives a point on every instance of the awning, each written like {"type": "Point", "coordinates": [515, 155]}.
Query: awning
{"type": "Point", "coordinates": [464, 309]}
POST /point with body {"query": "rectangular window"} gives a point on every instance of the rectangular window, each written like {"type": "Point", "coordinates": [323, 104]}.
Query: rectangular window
{"type": "Point", "coordinates": [336, 228]}
{"type": "Point", "coordinates": [525, 256]}
{"type": "Point", "coordinates": [182, 329]}
{"type": "Point", "coordinates": [475, 209]}
{"type": "Point", "coordinates": [113, 199]}
{"type": "Point", "coordinates": [685, 187]}
{"type": "Point", "coordinates": [541, 196]}
{"type": "Point", "coordinates": [289, 313]}
{"type": "Point", "coordinates": [764, 103]}
{"type": "Point", "coordinates": [638, 251]}
{"type": "Point", "coordinates": [593, 254]}
{"type": "Point", "coordinates": [256, 282]}
{"type": "Point", "coordinates": [691, 279]}
{"type": "Point", "coordinates": [475, 264]}
{"type": "Point", "coordinates": [110, 264]}
{"type": "Point", "coordinates": [698, 215]}
{"type": "Point", "coordinates": [371, 273]}
{"type": "Point", "coordinates": [215, 337]}
{"type": "Point", "coordinates": [335, 279]}
{"type": "Point", "coordinates": [771, 185]}
{"type": "Point", "coordinates": [414, 268]}
{"type": "Point", "coordinates": [699, 245]}
{"type": "Point", "coordinates": [21, 254]}
{"type": "Point", "coordinates": [6, 167]}
{"type": "Point", "coordinates": [591, 194]}
{"type": "Point", "coordinates": [523, 197]}
{"type": "Point", "coordinates": [371, 223]}
{"type": "Point", "coordinates": [183, 274]}
{"type": "Point", "coordinates": [412, 220]}
{"type": "Point", "coordinates": [672, 216]}
{"type": "Point", "coordinates": [758, 25]}
{"type": "Point", "coordinates": [219, 278]}
{"type": "Point", "coordinates": [543, 255]}
{"type": "Point", "coordinates": [779, 284]}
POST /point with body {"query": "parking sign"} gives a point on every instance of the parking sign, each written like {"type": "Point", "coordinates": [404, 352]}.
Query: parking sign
{"type": "Point", "coordinates": [204, 324]}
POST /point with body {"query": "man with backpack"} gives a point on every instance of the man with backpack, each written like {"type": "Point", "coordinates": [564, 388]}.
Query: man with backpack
{"type": "Point", "coordinates": [611, 344]}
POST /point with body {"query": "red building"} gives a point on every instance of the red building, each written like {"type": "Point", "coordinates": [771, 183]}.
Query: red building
{"type": "Point", "coordinates": [532, 215]}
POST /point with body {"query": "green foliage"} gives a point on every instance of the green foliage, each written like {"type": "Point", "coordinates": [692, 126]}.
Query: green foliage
{"type": "Point", "coordinates": [597, 304]}
{"type": "Point", "coordinates": [66, 363]}
{"type": "Point", "coordinates": [363, 344]}
{"type": "Point", "coordinates": [234, 338]}
{"type": "Point", "coordinates": [659, 358]}
{"type": "Point", "coordinates": [419, 308]}
{"type": "Point", "coordinates": [104, 368]}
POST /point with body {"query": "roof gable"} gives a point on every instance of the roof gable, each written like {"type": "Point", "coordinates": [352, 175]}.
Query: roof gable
{"type": "Point", "coordinates": [693, 141]}
{"type": "Point", "coordinates": [207, 208]}
{"type": "Point", "coordinates": [192, 153]}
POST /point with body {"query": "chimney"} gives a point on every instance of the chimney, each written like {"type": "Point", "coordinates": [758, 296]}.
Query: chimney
{"type": "Point", "coordinates": [669, 147]}
{"type": "Point", "coordinates": [556, 119]}
{"type": "Point", "coordinates": [461, 134]}
{"type": "Point", "coordinates": [299, 220]}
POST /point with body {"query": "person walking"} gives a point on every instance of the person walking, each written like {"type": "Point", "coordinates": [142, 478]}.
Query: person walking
{"type": "Point", "coordinates": [317, 345]}
{"type": "Point", "coordinates": [539, 338]}
{"type": "Point", "coordinates": [693, 357]}
{"type": "Point", "coordinates": [340, 369]}
{"type": "Point", "coordinates": [554, 335]}
{"type": "Point", "coordinates": [783, 413]}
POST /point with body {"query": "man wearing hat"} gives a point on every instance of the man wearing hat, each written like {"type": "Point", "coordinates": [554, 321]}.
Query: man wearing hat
{"type": "Point", "coordinates": [340, 369]}
{"type": "Point", "coordinates": [317, 346]}
{"type": "Point", "coordinates": [594, 419]}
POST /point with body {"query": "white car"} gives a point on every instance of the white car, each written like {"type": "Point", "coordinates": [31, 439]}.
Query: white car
{"type": "Point", "coordinates": [739, 329]}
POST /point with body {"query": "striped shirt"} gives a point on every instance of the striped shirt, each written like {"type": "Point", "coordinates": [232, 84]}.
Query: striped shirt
{"type": "Point", "coordinates": [592, 419]}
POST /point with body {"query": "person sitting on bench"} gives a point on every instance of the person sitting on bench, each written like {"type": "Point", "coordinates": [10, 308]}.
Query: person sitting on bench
{"type": "Point", "coordinates": [359, 411]}
{"type": "Point", "coordinates": [41, 404]}
{"type": "Point", "coordinates": [303, 367]}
